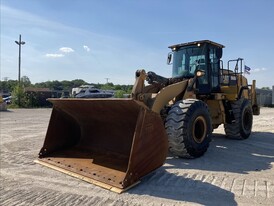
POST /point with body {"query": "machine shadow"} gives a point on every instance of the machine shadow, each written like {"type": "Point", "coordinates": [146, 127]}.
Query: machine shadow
{"type": "Point", "coordinates": [227, 155]}
{"type": "Point", "coordinates": [223, 155]}
{"type": "Point", "coordinates": [172, 186]}
{"type": "Point", "coordinates": [6, 111]}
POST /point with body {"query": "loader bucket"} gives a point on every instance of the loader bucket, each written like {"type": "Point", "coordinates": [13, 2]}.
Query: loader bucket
{"type": "Point", "coordinates": [108, 142]}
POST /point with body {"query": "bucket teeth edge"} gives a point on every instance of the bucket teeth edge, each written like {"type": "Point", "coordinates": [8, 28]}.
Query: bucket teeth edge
{"type": "Point", "coordinates": [86, 179]}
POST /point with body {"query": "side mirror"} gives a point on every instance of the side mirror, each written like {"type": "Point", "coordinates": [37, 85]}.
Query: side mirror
{"type": "Point", "coordinates": [169, 58]}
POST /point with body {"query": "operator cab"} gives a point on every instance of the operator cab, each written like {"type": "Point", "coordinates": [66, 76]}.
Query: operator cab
{"type": "Point", "coordinates": [199, 55]}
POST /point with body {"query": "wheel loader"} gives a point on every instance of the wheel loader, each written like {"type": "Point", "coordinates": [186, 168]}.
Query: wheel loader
{"type": "Point", "coordinates": [113, 143]}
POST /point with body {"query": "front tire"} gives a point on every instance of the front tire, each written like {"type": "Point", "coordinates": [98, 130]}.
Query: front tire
{"type": "Point", "coordinates": [189, 128]}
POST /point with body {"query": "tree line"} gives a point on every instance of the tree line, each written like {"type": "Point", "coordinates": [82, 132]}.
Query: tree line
{"type": "Point", "coordinates": [65, 85]}
{"type": "Point", "coordinates": [17, 90]}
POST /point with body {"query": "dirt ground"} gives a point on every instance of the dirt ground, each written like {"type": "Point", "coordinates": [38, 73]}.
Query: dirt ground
{"type": "Point", "coordinates": [230, 173]}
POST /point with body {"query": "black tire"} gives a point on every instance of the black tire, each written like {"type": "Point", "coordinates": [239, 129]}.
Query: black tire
{"type": "Point", "coordinates": [241, 128]}
{"type": "Point", "coordinates": [189, 128]}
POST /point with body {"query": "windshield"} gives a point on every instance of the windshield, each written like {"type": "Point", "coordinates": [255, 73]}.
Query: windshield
{"type": "Point", "coordinates": [187, 60]}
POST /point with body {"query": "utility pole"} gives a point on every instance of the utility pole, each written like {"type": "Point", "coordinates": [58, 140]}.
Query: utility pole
{"type": "Point", "coordinates": [19, 60]}
{"type": "Point", "coordinates": [19, 65]}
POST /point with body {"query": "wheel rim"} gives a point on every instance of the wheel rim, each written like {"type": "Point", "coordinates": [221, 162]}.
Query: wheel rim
{"type": "Point", "coordinates": [199, 129]}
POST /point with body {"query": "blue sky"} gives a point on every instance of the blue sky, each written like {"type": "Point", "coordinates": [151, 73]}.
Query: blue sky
{"type": "Point", "coordinates": [95, 40]}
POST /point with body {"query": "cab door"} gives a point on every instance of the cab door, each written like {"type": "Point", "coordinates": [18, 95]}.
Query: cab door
{"type": "Point", "coordinates": [214, 69]}
{"type": "Point", "coordinates": [210, 64]}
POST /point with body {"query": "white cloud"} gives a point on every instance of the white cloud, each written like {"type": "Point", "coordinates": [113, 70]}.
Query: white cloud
{"type": "Point", "coordinates": [258, 69]}
{"type": "Point", "coordinates": [86, 48]}
{"type": "Point", "coordinates": [66, 49]}
{"type": "Point", "coordinates": [54, 55]}
{"type": "Point", "coordinates": [58, 55]}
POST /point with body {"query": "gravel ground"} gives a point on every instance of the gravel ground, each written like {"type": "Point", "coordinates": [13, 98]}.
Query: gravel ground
{"type": "Point", "coordinates": [230, 173]}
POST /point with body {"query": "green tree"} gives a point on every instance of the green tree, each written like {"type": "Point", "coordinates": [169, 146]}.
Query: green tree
{"type": "Point", "coordinates": [7, 86]}
{"type": "Point", "coordinates": [119, 94]}
{"type": "Point", "coordinates": [107, 86]}
{"type": "Point", "coordinates": [31, 100]}
{"type": "Point", "coordinates": [118, 87]}
{"type": "Point", "coordinates": [25, 81]}
{"type": "Point", "coordinates": [67, 85]}
{"type": "Point", "coordinates": [18, 95]}
{"type": "Point", "coordinates": [78, 82]}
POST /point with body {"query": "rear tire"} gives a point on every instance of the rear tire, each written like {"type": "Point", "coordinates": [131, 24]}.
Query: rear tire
{"type": "Point", "coordinates": [241, 128]}
{"type": "Point", "coordinates": [189, 128]}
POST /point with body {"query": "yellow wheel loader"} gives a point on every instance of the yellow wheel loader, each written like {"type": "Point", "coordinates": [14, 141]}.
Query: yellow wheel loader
{"type": "Point", "coordinates": [113, 143]}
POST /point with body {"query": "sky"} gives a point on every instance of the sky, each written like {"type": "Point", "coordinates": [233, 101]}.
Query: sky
{"type": "Point", "coordinates": [108, 40]}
